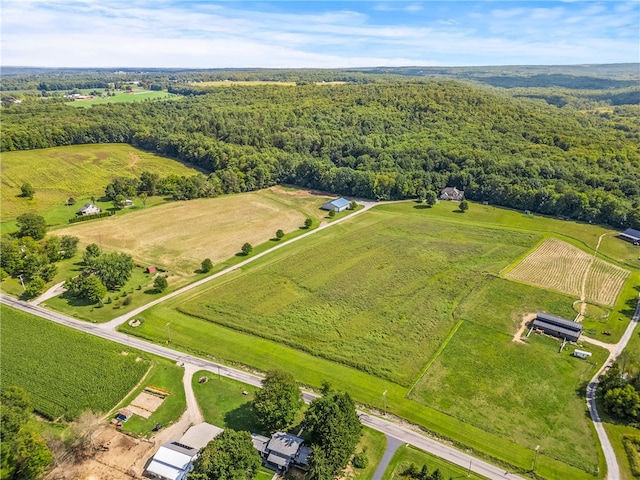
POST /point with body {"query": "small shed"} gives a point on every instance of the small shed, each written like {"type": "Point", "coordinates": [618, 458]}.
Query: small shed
{"type": "Point", "coordinates": [631, 235]}
{"type": "Point", "coordinates": [124, 415]}
{"type": "Point", "coordinates": [337, 205]}
{"type": "Point", "coordinates": [151, 270]}
{"type": "Point", "coordinates": [557, 327]}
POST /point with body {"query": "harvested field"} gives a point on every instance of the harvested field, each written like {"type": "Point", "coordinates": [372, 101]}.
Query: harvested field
{"type": "Point", "coordinates": [179, 235]}
{"type": "Point", "coordinates": [559, 266]}
{"type": "Point", "coordinates": [605, 282]}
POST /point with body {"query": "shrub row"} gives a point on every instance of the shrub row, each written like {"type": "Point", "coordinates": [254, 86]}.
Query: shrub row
{"type": "Point", "coordinates": [84, 218]}
{"type": "Point", "coordinates": [631, 445]}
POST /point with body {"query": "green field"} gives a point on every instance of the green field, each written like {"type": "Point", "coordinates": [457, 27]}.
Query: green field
{"type": "Point", "coordinates": [393, 261]}
{"type": "Point", "coordinates": [166, 375]}
{"type": "Point", "coordinates": [378, 295]}
{"type": "Point", "coordinates": [78, 171]}
{"type": "Point", "coordinates": [223, 403]}
{"type": "Point", "coordinates": [406, 455]}
{"type": "Point", "coordinates": [138, 95]}
{"type": "Point", "coordinates": [66, 372]}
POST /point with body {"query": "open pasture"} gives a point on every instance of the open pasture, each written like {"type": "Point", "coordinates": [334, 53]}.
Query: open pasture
{"type": "Point", "coordinates": [137, 95]}
{"type": "Point", "coordinates": [528, 393]}
{"type": "Point", "coordinates": [66, 372]}
{"type": "Point", "coordinates": [377, 295]}
{"type": "Point", "coordinates": [179, 235]}
{"type": "Point", "coordinates": [560, 266]}
{"type": "Point", "coordinates": [78, 171]}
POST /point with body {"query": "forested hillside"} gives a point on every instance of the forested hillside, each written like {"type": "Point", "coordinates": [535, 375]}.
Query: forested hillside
{"type": "Point", "coordinates": [391, 140]}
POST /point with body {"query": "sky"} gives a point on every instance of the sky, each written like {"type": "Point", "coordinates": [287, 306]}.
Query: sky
{"type": "Point", "coordinates": [308, 34]}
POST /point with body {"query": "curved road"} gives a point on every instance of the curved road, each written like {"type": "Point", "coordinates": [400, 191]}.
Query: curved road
{"type": "Point", "coordinates": [613, 471]}
{"type": "Point", "coordinates": [403, 434]}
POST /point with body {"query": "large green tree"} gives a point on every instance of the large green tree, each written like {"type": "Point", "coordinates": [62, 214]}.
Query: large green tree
{"type": "Point", "coordinates": [334, 429]}
{"type": "Point", "coordinates": [31, 225]}
{"type": "Point", "coordinates": [278, 402]}
{"type": "Point", "coordinates": [229, 456]}
{"type": "Point", "coordinates": [113, 268]}
{"type": "Point", "coordinates": [24, 454]}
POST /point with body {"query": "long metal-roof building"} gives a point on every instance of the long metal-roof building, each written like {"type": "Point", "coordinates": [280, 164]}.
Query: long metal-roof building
{"type": "Point", "coordinates": [631, 235]}
{"type": "Point", "coordinates": [558, 326]}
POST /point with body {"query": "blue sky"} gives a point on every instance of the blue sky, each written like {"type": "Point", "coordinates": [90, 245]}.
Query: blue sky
{"type": "Point", "coordinates": [329, 34]}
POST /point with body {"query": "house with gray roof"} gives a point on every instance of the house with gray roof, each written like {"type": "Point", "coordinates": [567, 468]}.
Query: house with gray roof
{"type": "Point", "coordinates": [451, 193]}
{"type": "Point", "coordinates": [281, 451]}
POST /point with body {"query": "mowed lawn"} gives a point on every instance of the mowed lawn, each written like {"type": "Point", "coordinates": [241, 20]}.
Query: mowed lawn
{"type": "Point", "coordinates": [529, 393]}
{"type": "Point", "coordinates": [177, 236]}
{"type": "Point", "coordinates": [378, 296]}
{"type": "Point", "coordinates": [77, 171]}
{"type": "Point", "coordinates": [65, 371]}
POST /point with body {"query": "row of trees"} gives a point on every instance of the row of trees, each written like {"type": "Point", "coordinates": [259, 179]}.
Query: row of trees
{"type": "Point", "coordinates": [31, 256]}
{"type": "Point", "coordinates": [102, 272]}
{"type": "Point", "coordinates": [391, 140]}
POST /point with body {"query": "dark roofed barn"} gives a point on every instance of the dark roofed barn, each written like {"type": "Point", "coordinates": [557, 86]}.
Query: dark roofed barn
{"type": "Point", "coordinates": [631, 235]}
{"type": "Point", "coordinates": [558, 327]}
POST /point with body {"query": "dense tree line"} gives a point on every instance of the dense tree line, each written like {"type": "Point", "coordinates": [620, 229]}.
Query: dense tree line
{"type": "Point", "coordinates": [386, 140]}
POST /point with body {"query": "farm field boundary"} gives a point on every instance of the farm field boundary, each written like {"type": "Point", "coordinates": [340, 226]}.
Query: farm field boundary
{"type": "Point", "coordinates": [436, 355]}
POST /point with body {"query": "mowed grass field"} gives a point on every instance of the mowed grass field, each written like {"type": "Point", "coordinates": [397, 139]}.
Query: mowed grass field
{"type": "Point", "coordinates": [66, 372]}
{"type": "Point", "coordinates": [560, 266]}
{"type": "Point", "coordinates": [378, 295]}
{"type": "Point", "coordinates": [138, 95]}
{"type": "Point", "coordinates": [78, 171]}
{"type": "Point", "coordinates": [177, 236]}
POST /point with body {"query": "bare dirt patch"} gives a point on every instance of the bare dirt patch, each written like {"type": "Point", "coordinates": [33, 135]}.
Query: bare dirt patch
{"type": "Point", "coordinates": [133, 159]}
{"type": "Point", "coordinates": [526, 319]}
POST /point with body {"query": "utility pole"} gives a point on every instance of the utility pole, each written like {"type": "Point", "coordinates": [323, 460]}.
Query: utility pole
{"type": "Point", "coordinates": [535, 457]}
{"type": "Point", "coordinates": [168, 331]}
{"type": "Point", "coordinates": [22, 281]}
{"type": "Point", "coordinates": [384, 397]}
{"type": "Point", "coordinates": [469, 471]}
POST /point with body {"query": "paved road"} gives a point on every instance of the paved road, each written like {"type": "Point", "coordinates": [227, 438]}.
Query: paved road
{"type": "Point", "coordinates": [613, 471]}
{"type": "Point", "coordinates": [392, 445]}
{"type": "Point", "coordinates": [387, 427]}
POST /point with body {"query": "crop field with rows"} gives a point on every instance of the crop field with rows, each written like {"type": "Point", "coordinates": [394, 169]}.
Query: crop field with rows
{"type": "Point", "coordinates": [560, 266]}
{"type": "Point", "coordinates": [65, 371]}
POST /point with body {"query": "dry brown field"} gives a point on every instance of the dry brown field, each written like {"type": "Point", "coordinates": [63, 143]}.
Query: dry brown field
{"type": "Point", "coordinates": [560, 266]}
{"type": "Point", "coordinates": [177, 236]}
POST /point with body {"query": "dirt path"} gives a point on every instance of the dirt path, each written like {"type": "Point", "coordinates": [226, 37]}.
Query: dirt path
{"type": "Point", "coordinates": [526, 318]}
{"type": "Point", "coordinates": [583, 287]}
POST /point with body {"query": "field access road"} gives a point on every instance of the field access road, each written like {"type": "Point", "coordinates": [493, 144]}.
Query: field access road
{"type": "Point", "coordinates": [112, 324]}
{"type": "Point", "coordinates": [385, 426]}
{"type": "Point", "coordinates": [613, 471]}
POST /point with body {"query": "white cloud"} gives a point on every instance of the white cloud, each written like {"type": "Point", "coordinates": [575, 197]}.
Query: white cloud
{"type": "Point", "coordinates": [173, 34]}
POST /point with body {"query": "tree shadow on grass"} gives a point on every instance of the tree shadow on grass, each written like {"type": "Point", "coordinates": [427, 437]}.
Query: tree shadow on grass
{"type": "Point", "coordinates": [458, 211]}
{"type": "Point", "coordinates": [243, 418]}
{"type": "Point", "coordinates": [422, 207]}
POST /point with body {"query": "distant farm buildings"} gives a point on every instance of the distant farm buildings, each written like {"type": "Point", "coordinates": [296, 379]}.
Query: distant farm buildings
{"type": "Point", "coordinates": [631, 235]}
{"type": "Point", "coordinates": [557, 327]}
{"type": "Point", "coordinates": [337, 205]}
{"type": "Point", "coordinates": [88, 209]}
{"type": "Point", "coordinates": [452, 193]}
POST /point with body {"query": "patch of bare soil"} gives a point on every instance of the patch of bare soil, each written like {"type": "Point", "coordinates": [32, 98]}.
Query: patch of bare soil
{"type": "Point", "coordinates": [526, 318]}
{"type": "Point", "coordinates": [133, 159]}
{"type": "Point", "coordinates": [299, 192]}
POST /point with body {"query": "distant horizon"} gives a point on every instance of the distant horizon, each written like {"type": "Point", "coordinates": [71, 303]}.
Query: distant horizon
{"type": "Point", "coordinates": [207, 34]}
{"type": "Point", "coordinates": [139, 68]}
